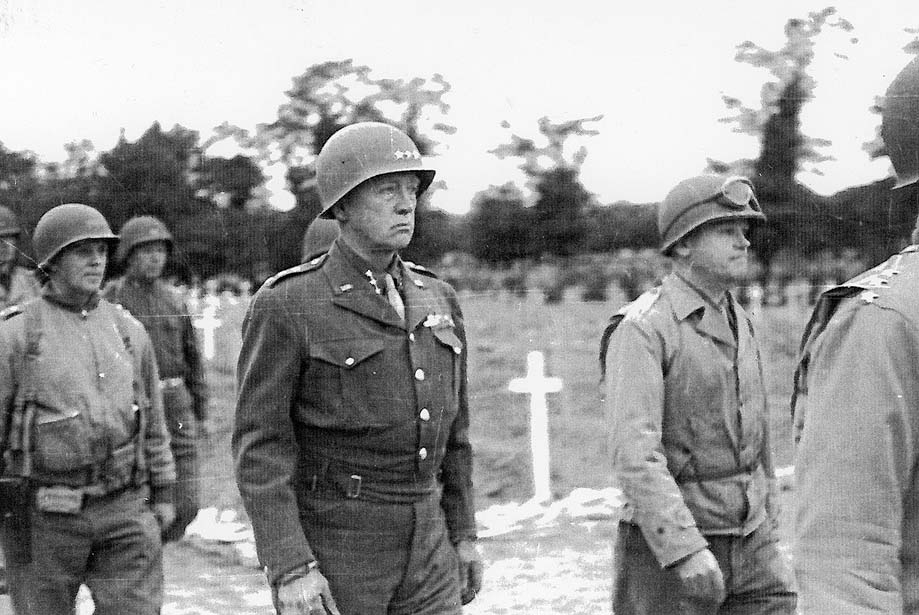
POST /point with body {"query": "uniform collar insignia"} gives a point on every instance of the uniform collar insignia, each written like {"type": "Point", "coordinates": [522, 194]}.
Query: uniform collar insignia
{"type": "Point", "coordinates": [438, 321]}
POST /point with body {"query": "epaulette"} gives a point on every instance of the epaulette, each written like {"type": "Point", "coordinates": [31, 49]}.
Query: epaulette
{"type": "Point", "coordinates": [312, 265]}
{"type": "Point", "coordinates": [10, 311]}
{"type": "Point", "coordinates": [641, 305]}
{"type": "Point", "coordinates": [419, 269]}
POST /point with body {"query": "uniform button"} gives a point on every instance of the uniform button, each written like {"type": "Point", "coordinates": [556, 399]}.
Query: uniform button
{"type": "Point", "coordinates": [102, 374]}
{"type": "Point", "coordinates": [419, 374]}
{"type": "Point", "coordinates": [425, 415]}
{"type": "Point", "coordinates": [349, 361]}
{"type": "Point", "coordinates": [411, 337]}
{"type": "Point", "coordinates": [423, 453]}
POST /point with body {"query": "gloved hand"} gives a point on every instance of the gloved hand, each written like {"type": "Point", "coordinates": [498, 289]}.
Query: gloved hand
{"type": "Point", "coordinates": [306, 595]}
{"type": "Point", "coordinates": [471, 570]}
{"type": "Point", "coordinates": [701, 576]}
{"type": "Point", "coordinates": [165, 513]}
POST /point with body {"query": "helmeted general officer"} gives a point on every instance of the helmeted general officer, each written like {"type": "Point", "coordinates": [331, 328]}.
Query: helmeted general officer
{"type": "Point", "coordinates": [856, 412]}
{"type": "Point", "coordinates": [144, 247]}
{"type": "Point", "coordinates": [351, 441]}
{"type": "Point", "coordinates": [86, 467]}
{"type": "Point", "coordinates": [689, 428]}
{"type": "Point", "coordinates": [17, 284]}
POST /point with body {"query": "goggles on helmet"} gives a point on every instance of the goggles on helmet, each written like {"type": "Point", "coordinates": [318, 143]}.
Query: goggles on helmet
{"type": "Point", "coordinates": [736, 193]}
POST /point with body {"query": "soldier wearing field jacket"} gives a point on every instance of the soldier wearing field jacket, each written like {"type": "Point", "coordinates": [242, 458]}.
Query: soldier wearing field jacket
{"type": "Point", "coordinates": [87, 475]}
{"type": "Point", "coordinates": [856, 413]}
{"type": "Point", "coordinates": [352, 424]}
{"type": "Point", "coordinates": [689, 432]}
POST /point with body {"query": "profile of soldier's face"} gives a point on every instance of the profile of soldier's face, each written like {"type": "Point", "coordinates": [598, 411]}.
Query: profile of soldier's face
{"type": "Point", "coordinates": [79, 268]}
{"type": "Point", "coordinates": [720, 250]}
{"type": "Point", "coordinates": [380, 213]}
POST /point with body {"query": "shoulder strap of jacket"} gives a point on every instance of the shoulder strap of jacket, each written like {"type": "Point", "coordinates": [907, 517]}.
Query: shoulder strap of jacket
{"type": "Point", "coordinates": [17, 437]}
{"type": "Point", "coordinates": [604, 341]}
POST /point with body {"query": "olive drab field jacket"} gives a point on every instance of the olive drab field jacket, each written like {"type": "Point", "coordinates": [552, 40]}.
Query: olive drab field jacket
{"type": "Point", "coordinates": [856, 411]}
{"type": "Point", "coordinates": [332, 383]}
{"type": "Point", "coordinates": [88, 390]}
{"type": "Point", "coordinates": [686, 407]}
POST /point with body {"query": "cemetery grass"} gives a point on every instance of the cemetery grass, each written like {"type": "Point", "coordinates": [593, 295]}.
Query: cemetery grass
{"type": "Point", "coordinates": [501, 330]}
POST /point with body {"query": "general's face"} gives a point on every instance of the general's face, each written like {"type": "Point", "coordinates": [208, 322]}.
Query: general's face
{"type": "Point", "coordinates": [380, 213]}
{"type": "Point", "coordinates": [148, 259]}
{"type": "Point", "coordinates": [8, 248]}
{"type": "Point", "coordinates": [79, 268]}
{"type": "Point", "coordinates": [719, 250]}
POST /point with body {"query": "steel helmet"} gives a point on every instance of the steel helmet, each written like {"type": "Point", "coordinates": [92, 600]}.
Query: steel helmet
{"type": "Point", "coordinates": [138, 230]}
{"type": "Point", "coordinates": [702, 199]}
{"type": "Point", "coordinates": [9, 222]}
{"type": "Point", "coordinates": [361, 151]}
{"type": "Point", "coordinates": [67, 224]}
{"type": "Point", "coordinates": [900, 124]}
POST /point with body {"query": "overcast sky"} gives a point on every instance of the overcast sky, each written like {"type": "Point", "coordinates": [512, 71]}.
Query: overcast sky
{"type": "Point", "coordinates": [656, 70]}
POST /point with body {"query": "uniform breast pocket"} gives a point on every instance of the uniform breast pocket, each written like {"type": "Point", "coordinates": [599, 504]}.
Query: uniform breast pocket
{"type": "Point", "coordinates": [342, 378]}
{"type": "Point", "coordinates": [451, 349]}
{"type": "Point", "coordinates": [62, 440]}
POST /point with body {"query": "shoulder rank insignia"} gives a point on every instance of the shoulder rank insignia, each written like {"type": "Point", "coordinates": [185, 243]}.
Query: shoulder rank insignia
{"type": "Point", "coordinates": [306, 267]}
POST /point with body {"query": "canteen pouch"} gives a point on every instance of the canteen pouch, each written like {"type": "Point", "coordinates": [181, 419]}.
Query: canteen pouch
{"type": "Point", "coordinates": [16, 517]}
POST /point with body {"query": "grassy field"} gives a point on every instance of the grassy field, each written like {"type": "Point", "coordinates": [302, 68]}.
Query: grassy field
{"type": "Point", "coordinates": [501, 331]}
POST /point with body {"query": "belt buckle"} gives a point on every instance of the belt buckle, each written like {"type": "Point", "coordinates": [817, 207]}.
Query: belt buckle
{"type": "Point", "coordinates": [354, 486]}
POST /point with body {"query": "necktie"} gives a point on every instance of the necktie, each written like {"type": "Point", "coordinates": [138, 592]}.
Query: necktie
{"type": "Point", "coordinates": [393, 296]}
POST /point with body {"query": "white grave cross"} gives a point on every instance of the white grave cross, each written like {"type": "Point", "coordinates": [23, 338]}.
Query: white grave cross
{"type": "Point", "coordinates": [537, 385]}
{"type": "Point", "coordinates": [209, 323]}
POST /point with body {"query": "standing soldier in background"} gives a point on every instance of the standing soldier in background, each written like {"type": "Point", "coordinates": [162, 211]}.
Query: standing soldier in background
{"type": "Point", "coordinates": [145, 245]}
{"type": "Point", "coordinates": [17, 284]}
{"type": "Point", "coordinates": [351, 441]}
{"type": "Point", "coordinates": [856, 412]}
{"type": "Point", "coordinates": [87, 475]}
{"type": "Point", "coordinates": [689, 429]}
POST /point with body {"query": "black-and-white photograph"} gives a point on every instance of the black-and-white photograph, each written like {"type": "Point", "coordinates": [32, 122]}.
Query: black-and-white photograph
{"type": "Point", "coordinates": [444, 308]}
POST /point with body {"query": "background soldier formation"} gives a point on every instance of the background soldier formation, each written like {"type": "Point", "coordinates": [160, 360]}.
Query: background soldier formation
{"type": "Point", "coordinates": [351, 436]}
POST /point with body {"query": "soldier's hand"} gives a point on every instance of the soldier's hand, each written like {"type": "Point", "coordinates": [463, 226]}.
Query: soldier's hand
{"type": "Point", "coordinates": [471, 570]}
{"type": "Point", "coordinates": [309, 595]}
{"type": "Point", "coordinates": [165, 513]}
{"type": "Point", "coordinates": [701, 576]}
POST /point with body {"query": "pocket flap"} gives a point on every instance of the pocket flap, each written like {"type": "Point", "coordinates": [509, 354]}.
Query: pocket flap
{"type": "Point", "coordinates": [345, 353]}
{"type": "Point", "coordinates": [446, 336]}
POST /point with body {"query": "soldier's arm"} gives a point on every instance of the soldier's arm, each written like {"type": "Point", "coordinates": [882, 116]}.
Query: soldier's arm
{"type": "Point", "coordinates": [457, 500]}
{"type": "Point", "coordinates": [854, 462]}
{"type": "Point", "coordinates": [634, 407]}
{"type": "Point", "coordinates": [264, 447]}
{"type": "Point", "coordinates": [156, 437]}
{"type": "Point", "coordinates": [195, 380]}
{"type": "Point", "coordinates": [8, 386]}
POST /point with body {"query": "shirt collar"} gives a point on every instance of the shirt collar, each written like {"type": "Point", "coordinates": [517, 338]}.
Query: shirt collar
{"type": "Point", "coordinates": [689, 298]}
{"type": "Point", "coordinates": [48, 292]}
{"type": "Point", "coordinates": [360, 264]}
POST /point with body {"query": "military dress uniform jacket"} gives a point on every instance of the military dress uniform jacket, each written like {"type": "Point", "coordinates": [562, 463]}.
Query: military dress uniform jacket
{"type": "Point", "coordinates": [19, 286]}
{"type": "Point", "coordinates": [331, 382]}
{"type": "Point", "coordinates": [856, 410]}
{"type": "Point", "coordinates": [688, 423]}
{"type": "Point", "coordinates": [167, 321]}
{"type": "Point", "coordinates": [85, 392]}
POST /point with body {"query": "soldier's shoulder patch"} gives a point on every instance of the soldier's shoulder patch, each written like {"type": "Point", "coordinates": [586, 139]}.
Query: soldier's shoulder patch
{"type": "Point", "coordinates": [306, 267]}
{"type": "Point", "coordinates": [420, 269]}
{"type": "Point", "coordinates": [10, 311]}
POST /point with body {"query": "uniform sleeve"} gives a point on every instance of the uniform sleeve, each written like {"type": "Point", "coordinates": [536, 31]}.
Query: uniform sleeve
{"type": "Point", "coordinates": [8, 386]}
{"type": "Point", "coordinates": [457, 500]}
{"type": "Point", "coordinates": [264, 446]}
{"type": "Point", "coordinates": [634, 406]}
{"type": "Point", "coordinates": [854, 463]}
{"type": "Point", "coordinates": [160, 463]}
{"type": "Point", "coordinates": [194, 378]}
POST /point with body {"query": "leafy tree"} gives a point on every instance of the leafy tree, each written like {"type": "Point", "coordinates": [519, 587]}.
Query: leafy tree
{"type": "Point", "coordinates": [498, 225]}
{"type": "Point", "coordinates": [561, 201]}
{"type": "Point", "coordinates": [233, 179]}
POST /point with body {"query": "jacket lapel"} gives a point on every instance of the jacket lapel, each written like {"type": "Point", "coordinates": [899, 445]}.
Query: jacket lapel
{"type": "Point", "coordinates": [353, 291]}
{"type": "Point", "coordinates": [420, 302]}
